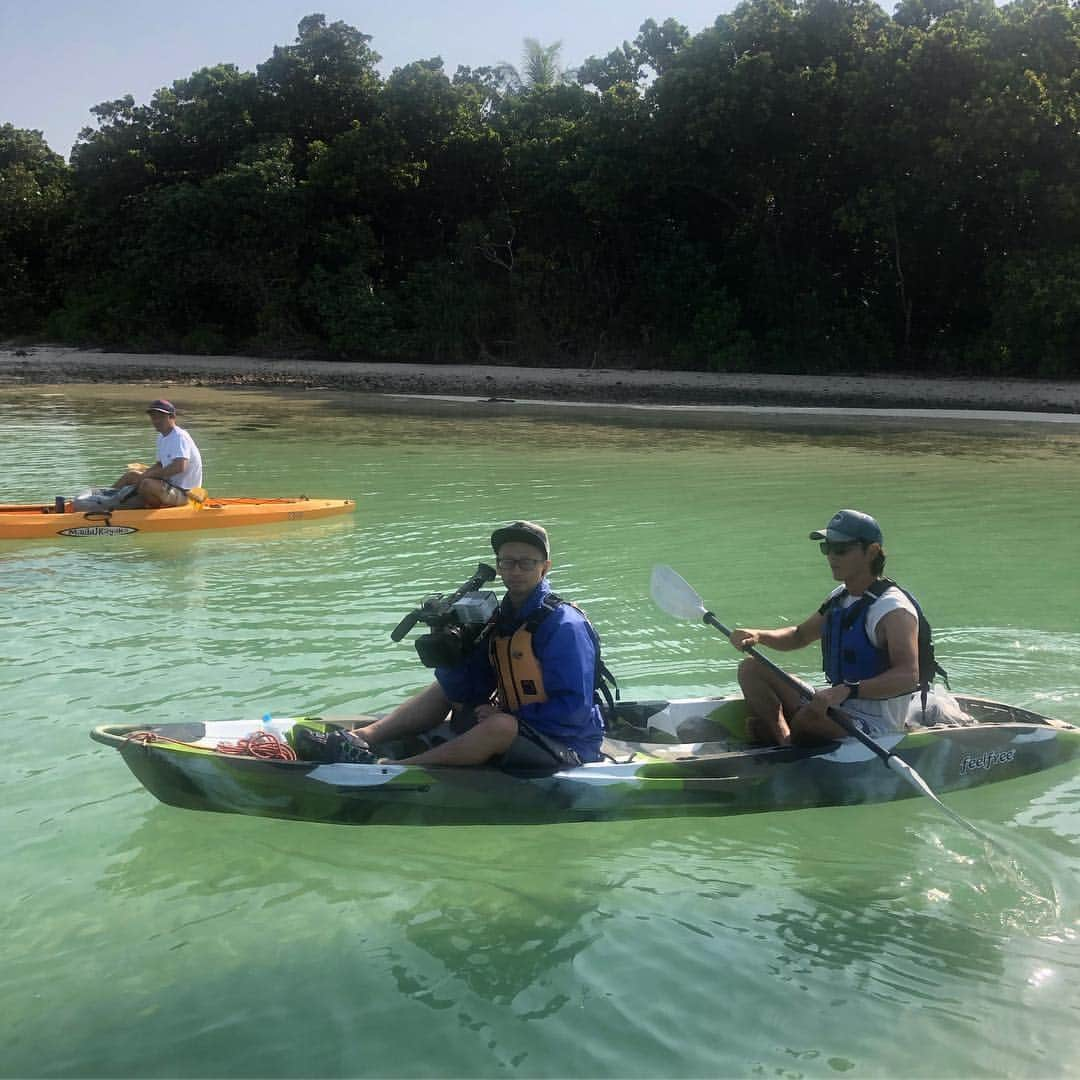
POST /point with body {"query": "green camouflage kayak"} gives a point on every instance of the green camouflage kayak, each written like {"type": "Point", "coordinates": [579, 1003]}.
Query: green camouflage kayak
{"type": "Point", "coordinates": [663, 759]}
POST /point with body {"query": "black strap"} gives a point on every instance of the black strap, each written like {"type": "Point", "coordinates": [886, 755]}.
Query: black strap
{"type": "Point", "coordinates": [548, 603]}
{"type": "Point", "coordinates": [929, 668]}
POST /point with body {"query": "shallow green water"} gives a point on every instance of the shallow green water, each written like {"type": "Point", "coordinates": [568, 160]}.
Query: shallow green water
{"type": "Point", "coordinates": [140, 940]}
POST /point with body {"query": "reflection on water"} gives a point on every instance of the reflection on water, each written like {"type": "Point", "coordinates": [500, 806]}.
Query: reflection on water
{"type": "Point", "coordinates": [787, 944]}
{"type": "Point", "coordinates": [509, 934]}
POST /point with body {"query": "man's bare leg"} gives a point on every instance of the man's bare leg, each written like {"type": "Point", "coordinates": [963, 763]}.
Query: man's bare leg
{"type": "Point", "coordinates": [421, 712]}
{"type": "Point", "coordinates": [808, 726]}
{"type": "Point", "coordinates": [770, 701]}
{"type": "Point", "coordinates": [130, 478]}
{"type": "Point", "coordinates": [488, 738]}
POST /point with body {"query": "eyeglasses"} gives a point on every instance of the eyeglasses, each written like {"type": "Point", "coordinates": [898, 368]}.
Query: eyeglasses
{"type": "Point", "coordinates": [524, 564]}
{"type": "Point", "coordinates": [839, 547]}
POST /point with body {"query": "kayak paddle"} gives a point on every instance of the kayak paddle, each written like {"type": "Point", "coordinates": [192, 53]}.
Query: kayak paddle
{"type": "Point", "coordinates": [675, 596]}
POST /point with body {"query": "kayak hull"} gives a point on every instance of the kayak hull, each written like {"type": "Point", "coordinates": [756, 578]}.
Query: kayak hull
{"type": "Point", "coordinates": [645, 780]}
{"type": "Point", "coordinates": [39, 522]}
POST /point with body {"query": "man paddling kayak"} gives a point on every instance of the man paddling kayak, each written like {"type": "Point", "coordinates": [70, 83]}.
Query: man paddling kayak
{"type": "Point", "coordinates": [869, 629]}
{"type": "Point", "coordinates": [525, 695]}
{"type": "Point", "coordinates": [178, 468]}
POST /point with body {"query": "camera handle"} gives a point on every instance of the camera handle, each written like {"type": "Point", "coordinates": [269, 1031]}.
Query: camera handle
{"type": "Point", "coordinates": [405, 626]}
{"type": "Point", "coordinates": [483, 575]}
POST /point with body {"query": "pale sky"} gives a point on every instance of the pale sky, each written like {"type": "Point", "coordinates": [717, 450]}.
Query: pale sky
{"type": "Point", "coordinates": [59, 57]}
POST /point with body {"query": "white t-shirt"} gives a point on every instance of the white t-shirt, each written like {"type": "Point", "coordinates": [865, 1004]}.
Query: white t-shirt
{"type": "Point", "coordinates": [892, 599]}
{"type": "Point", "coordinates": [878, 716]}
{"type": "Point", "coordinates": [179, 444]}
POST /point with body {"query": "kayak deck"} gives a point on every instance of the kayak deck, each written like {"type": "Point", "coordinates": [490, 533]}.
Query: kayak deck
{"type": "Point", "coordinates": [36, 521]}
{"type": "Point", "coordinates": [650, 771]}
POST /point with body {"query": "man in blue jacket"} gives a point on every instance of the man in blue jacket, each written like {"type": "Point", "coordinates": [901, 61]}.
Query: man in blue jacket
{"type": "Point", "coordinates": [527, 689]}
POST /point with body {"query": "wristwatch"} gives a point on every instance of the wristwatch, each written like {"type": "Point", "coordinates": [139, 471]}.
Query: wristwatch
{"type": "Point", "coordinates": [853, 690]}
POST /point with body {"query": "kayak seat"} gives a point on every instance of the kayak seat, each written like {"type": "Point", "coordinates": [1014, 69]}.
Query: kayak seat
{"type": "Point", "coordinates": [726, 723]}
{"type": "Point", "coordinates": [629, 721]}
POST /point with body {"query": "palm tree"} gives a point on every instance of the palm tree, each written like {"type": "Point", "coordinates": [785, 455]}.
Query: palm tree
{"type": "Point", "coordinates": [541, 68]}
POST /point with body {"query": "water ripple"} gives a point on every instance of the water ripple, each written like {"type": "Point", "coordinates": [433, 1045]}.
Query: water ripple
{"type": "Point", "coordinates": [771, 944]}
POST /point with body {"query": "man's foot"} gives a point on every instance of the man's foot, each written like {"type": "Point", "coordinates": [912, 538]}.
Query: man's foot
{"type": "Point", "coordinates": [352, 747]}
{"type": "Point", "coordinates": [332, 746]}
{"type": "Point", "coordinates": [759, 733]}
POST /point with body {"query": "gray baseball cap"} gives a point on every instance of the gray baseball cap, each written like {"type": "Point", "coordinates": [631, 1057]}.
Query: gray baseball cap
{"type": "Point", "coordinates": [526, 532]}
{"type": "Point", "coordinates": [850, 525]}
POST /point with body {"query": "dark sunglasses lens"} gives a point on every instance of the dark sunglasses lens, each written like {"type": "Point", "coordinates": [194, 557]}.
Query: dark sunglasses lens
{"type": "Point", "coordinates": [837, 549]}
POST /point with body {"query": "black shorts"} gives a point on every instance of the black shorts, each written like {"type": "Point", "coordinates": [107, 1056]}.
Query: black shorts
{"type": "Point", "coordinates": [531, 751]}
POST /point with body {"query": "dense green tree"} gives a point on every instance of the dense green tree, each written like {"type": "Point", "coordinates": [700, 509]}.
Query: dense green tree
{"type": "Point", "coordinates": [204, 123]}
{"type": "Point", "coordinates": [621, 67]}
{"type": "Point", "coordinates": [651, 53]}
{"type": "Point", "coordinates": [657, 45]}
{"type": "Point", "coordinates": [320, 86]}
{"type": "Point", "coordinates": [805, 185]}
{"type": "Point", "coordinates": [34, 211]}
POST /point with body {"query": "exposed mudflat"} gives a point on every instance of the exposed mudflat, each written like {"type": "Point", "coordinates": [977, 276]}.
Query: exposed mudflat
{"type": "Point", "coordinates": [44, 364]}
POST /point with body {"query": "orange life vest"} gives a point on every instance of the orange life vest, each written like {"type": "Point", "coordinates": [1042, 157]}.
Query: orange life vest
{"type": "Point", "coordinates": [517, 670]}
{"type": "Point", "coordinates": [520, 679]}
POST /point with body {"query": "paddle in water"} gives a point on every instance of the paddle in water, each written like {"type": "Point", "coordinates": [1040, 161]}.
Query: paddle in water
{"type": "Point", "coordinates": [676, 596]}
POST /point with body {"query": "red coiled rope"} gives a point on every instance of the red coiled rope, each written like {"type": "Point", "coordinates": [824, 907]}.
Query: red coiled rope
{"type": "Point", "coordinates": [260, 744]}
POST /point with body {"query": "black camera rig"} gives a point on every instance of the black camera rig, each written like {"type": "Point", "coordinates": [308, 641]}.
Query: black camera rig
{"type": "Point", "coordinates": [457, 621]}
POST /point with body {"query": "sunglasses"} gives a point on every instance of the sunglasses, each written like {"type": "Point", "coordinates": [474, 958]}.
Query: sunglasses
{"type": "Point", "coordinates": [524, 564]}
{"type": "Point", "coordinates": [839, 547]}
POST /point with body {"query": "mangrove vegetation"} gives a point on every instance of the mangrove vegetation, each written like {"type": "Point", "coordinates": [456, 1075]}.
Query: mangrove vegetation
{"type": "Point", "coordinates": [807, 186]}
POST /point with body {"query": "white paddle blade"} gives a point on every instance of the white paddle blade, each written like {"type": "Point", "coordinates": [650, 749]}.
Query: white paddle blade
{"type": "Point", "coordinates": [898, 765]}
{"type": "Point", "coordinates": [672, 594]}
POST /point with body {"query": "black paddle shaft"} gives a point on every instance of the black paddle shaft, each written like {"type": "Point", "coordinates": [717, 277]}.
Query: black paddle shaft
{"type": "Point", "coordinates": [839, 716]}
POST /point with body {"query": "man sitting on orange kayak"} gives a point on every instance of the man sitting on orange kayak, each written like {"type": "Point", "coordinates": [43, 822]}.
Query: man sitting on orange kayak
{"type": "Point", "coordinates": [178, 468]}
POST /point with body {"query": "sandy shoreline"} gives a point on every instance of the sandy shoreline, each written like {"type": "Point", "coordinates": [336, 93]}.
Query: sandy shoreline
{"type": "Point", "coordinates": [44, 364]}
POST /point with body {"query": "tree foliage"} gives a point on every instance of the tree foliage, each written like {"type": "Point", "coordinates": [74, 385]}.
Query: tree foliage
{"type": "Point", "coordinates": [541, 68]}
{"type": "Point", "coordinates": [34, 213]}
{"type": "Point", "coordinates": [806, 185]}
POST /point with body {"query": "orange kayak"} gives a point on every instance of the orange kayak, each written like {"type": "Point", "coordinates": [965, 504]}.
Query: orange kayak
{"type": "Point", "coordinates": [33, 521]}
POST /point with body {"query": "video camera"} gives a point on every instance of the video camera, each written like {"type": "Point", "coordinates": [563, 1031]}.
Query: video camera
{"type": "Point", "coordinates": [456, 621]}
